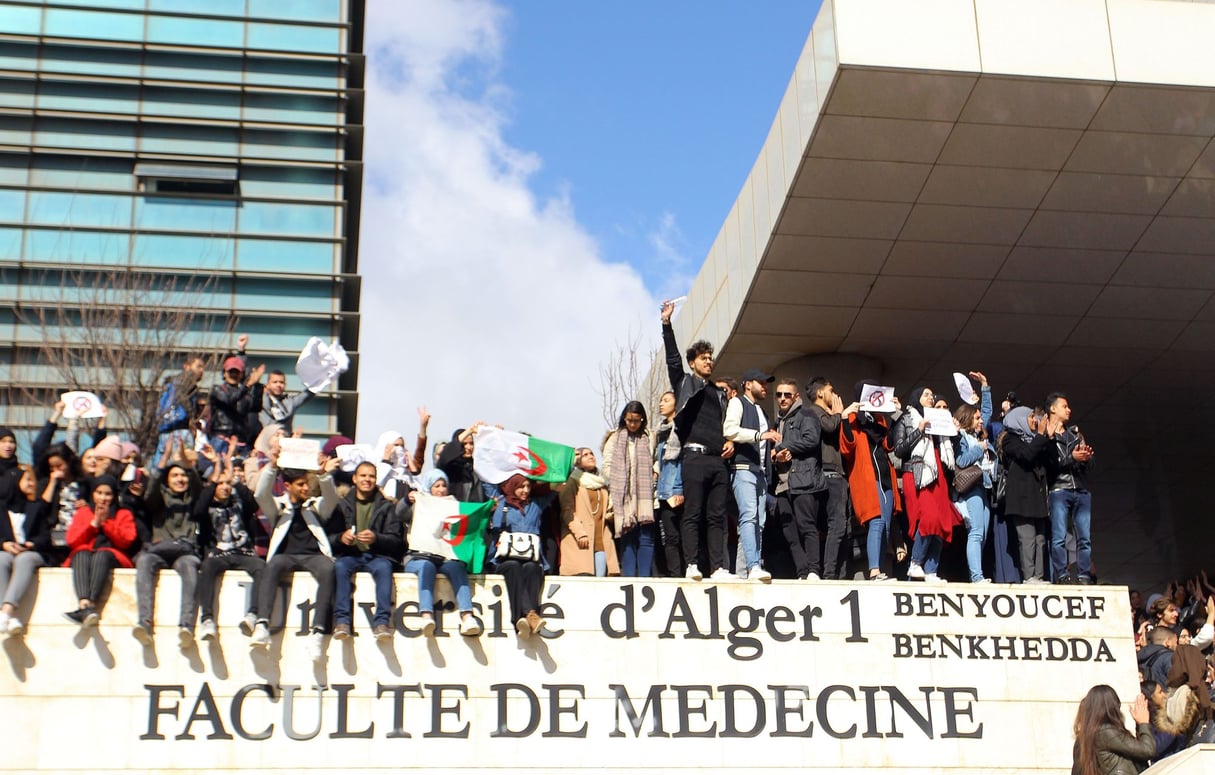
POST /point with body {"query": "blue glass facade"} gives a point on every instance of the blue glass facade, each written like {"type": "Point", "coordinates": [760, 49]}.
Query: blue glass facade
{"type": "Point", "coordinates": [214, 146]}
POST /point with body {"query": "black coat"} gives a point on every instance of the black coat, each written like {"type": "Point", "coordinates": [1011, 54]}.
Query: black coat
{"type": "Point", "coordinates": [385, 522]}
{"type": "Point", "coordinates": [802, 436]}
{"type": "Point", "coordinates": [36, 525]}
{"type": "Point", "coordinates": [1025, 471]}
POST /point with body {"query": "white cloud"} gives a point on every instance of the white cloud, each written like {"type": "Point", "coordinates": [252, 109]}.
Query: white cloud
{"type": "Point", "coordinates": [480, 299]}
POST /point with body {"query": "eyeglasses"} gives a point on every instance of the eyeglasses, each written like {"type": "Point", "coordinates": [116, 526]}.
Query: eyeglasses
{"type": "Point", "coordinates": [779, 394]}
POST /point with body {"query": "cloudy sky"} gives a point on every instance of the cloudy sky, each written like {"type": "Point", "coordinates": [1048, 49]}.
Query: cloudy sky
{"type": "Point", "coordinates": [539, 176]}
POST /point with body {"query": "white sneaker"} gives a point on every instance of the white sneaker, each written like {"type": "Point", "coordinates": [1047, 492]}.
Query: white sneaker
{"type": "Point", "coordinates": [261, 635]}
{"type": "Point", "coordinates": [759, 574]}
{"type": "Point", "coordinates": [812, 576]}
{"type": "Point", "coordinates": [915, 572]}
{"type": "Point", "coordinates": [693, 573]}
{"type": "Point", "coordinates": [207, 630]}
{"type": "Point", "coordinates": [247, 624]}
{"type": "Point", "coordinates": [314, 646]}
{"type": "Point", "coordinates": [15, 628]}
{"type": "Point", "coordinates": [4, 618]}
{"type": "Point", "coordinates": [185, 637]}
{"type": "Point", "coordinates": [428, 626]}
{"type": "Point", "coordinates": [981, 581]}
{"type": "Point", "coordinates": [932, 578]}
{"type": "Point", "coordinates": [470, 627]}
{"type": "Point", "coordinates": [721, 574]}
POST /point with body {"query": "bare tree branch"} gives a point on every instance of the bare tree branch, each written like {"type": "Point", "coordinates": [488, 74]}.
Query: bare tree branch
{"type": "Point", "coordinates": [119, 333]}
{"type": "Point", "coordinates": [625, 375]}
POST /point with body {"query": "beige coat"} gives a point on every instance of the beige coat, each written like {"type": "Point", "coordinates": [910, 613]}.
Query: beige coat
{"type": "Point", "coordinates": [585, 514]}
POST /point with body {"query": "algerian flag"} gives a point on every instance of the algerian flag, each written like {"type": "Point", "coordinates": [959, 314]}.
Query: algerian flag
{"type": "Point", "coordinates": [450, 528]}
{"type": "Point", "coordinates": [499, 455]}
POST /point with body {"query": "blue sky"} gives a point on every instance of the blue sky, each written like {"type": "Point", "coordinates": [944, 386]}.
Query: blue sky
{"type": "Point", "coordinates": [538, 176]}
{"type": "Point", "coordinates": [649, 114]}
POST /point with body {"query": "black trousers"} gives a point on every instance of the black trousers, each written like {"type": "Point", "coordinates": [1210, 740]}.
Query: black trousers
{"type": "Point", "coordinates": [671, 556]}
{"type": "Point", "coordinates": [214, 566]}
{"type": "Point", "coordinates": [321, 568]}
{"type": "Point", "coordinates": [706, 491]}
{"type": "Point", "coordinates": [91, 571]}
{"type": "Point", "coordinates": [523, 579]}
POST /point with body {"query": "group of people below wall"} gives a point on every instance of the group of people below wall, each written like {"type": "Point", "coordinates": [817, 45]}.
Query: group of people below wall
{"type": "Point", "coordinates": [715, 488]}
{"type": "Point", "coordinates": [1175, 707]}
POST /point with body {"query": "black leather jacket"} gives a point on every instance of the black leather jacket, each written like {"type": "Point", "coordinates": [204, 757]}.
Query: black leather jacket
{"type": "Point", "coordinates": [1067, 473]}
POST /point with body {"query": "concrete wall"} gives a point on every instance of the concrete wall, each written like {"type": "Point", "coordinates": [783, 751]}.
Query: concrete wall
{"type": "Point", "coordinates": [643, 676]}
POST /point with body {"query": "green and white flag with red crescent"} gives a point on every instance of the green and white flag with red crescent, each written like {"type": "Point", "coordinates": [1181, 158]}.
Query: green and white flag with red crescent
{"type": "Point", "coordinates": [499, 455]}
{"type": "Point", "coordinates": [450, 528]}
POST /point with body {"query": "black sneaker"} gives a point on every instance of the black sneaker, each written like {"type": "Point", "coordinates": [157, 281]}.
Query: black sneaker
{"type": "Point", "coordinates": [77, 616]}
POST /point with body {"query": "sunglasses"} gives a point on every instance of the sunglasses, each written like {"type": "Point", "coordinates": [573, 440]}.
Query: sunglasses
{"type": "Point", "coordinates": [780, 394]}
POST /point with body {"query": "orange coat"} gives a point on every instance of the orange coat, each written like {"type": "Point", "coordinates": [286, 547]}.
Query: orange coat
{"type": "Point", "coordinates": [862, 476]}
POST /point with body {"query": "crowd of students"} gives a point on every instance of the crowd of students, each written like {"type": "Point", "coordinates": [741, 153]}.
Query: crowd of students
{"type": "Point", "coordinates": [714, 487]}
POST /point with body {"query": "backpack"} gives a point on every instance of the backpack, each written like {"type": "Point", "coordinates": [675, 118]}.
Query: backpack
{"type": "Point", "coordinates": [170, 413]}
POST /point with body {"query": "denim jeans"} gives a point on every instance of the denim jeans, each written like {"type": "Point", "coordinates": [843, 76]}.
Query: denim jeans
{"type": "Point", "coordinates": [926, 552]}
{"type": "Point", "coordinates": [380, 569]}
{"type": "Point", "coordinates": [636, 552]}
{"type": "Point", "coordinates": [1077, 504]}
{"type": "Point", "coordinates": [178, 555]}
{"type": "Point", "coordinates": [750, 493]}
{"type": "Point", "coordinates": [879, 529]}
{"type": "Point", "coordinates": [426, 571]}
{"type": "Point", "coordinates": [978, 518]}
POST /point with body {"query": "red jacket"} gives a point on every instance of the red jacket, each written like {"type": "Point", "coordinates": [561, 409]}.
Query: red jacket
{"type": "Point", "coordinates": [119, 532]}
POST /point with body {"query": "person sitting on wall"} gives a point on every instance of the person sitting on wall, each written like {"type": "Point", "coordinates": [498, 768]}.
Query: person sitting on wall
{"type": "Point", "coordinates": [226, 512]}
{"type": "Point", "coordinates": [366, 534]}
{"type": "Point", "coordinates": [99, 538]}
{"type": "Point", "coordinates": [426, 566]}
{"type": "Point", "coordinates": [170, 539]}
{"type": "Point", "coordinates": [25, 540]}
{"type": "Point", "coordinates": [298, 541]}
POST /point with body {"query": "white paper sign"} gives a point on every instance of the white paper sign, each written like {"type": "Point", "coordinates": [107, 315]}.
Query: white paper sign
{"type": "Point", "coordinates": [878, 398]}
{"type": "Point", "coordinates": [299, 453]}
{"type": "Point", "coordinates": [81, 404]}
{"type": "Point", "coordinates": [353, 455]}
{"type": "Point", "coordinates": [940, 422]}
{"type": "Point", "coordinates": [965, 390]}
{"type": "Point", "coordinates": [320, 363]}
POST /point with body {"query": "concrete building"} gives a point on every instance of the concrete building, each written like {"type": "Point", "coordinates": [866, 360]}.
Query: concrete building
{"type": "Point", "coordinates": [203, 154]}
{"type": "Point", "coordinates": [1025, 189]}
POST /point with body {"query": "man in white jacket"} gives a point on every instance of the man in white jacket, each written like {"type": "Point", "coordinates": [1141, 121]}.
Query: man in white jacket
{"type": "Point", "coordinates": [298, 541]}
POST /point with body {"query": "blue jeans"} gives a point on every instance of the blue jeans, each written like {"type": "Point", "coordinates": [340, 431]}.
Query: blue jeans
{"type": "Point", "coordinates": [380, 569]}
{"type": "Point", "coordinates": [636, 552]}
{"type": "Point", "coordinates": [879, 529]}
{"type": "Point", "coordinates": [926, 552]}
{"type": "Point", "coordinates": [1078, 504]}
{"type": "Point", "coordinates": [455, 572]}
{"type": "Point", "coordinates": [751, 494]}
{"type": "Point", "coordinates": [978, 517]}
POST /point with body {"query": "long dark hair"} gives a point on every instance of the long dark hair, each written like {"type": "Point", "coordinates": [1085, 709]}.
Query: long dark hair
{"type": "Point", "coordinates": [633, 407]}
{"type": "Point", "coordinates": [42, 468]}
{"type": "Point", "coordinates": [1100, 707]}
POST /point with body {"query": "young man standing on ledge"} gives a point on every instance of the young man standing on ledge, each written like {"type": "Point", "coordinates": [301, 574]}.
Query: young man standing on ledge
{"type": "Point", "coordinates": [699, 416]}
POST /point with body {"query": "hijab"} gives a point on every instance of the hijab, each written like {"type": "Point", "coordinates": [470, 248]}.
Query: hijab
{"type": "Point", "coordinates": [508, 491]}
{"type": "Point", "coordinates": [1017, 421]}
{"type": "Point", "coordinates": [430, 477]}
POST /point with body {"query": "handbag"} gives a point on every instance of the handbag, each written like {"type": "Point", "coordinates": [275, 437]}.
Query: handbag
{"type": "Point", "coordinates": [965, 479]}
{"type": "Point", "coordinates": [518, 546]}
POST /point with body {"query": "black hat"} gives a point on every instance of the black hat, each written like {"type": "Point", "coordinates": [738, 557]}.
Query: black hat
{"type": "Point", "coordinates": [757, 376]}
{"type": "Point", "coordinates": [7, 433]}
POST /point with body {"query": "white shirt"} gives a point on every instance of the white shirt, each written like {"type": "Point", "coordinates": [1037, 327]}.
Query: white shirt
{"type": "Point", "coordinates": [732, 428]}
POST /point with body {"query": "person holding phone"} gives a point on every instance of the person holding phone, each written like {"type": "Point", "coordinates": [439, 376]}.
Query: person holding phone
{"type": "Point", "coordinates": [1025, 449]}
